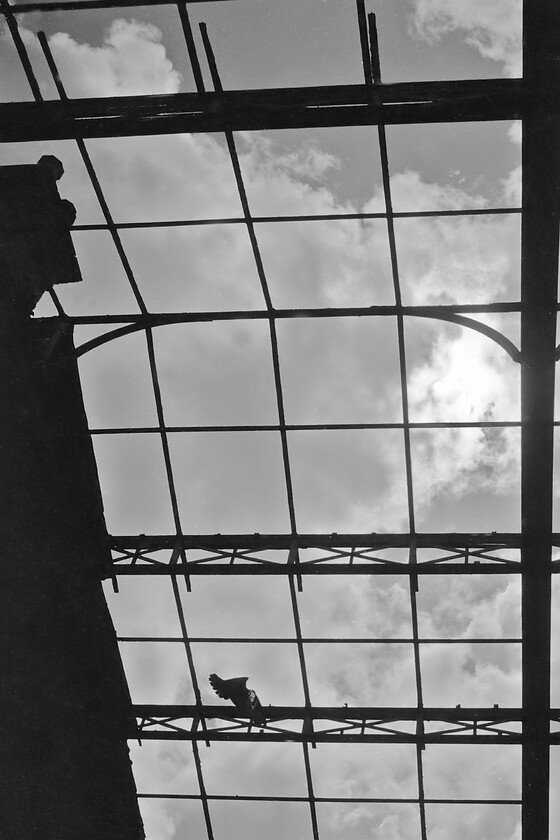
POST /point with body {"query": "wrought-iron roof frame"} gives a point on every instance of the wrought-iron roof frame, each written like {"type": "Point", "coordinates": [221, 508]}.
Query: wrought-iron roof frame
{"type": "Point", "coordinates": [532, 99]}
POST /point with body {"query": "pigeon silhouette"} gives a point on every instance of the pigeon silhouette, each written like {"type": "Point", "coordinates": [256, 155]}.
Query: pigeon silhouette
{"type": "Point", "coordinates": [243, 698]}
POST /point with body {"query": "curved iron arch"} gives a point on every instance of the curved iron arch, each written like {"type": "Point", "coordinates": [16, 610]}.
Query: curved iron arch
{"type": "Point", "coordinates": [419, 312]}
{"type": "Point", "coordinates": [473, 324]}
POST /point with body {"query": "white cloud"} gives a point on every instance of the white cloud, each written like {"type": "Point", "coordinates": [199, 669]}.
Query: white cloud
{"type": "Point", "coordinates": [470, 823]}
{"type": "Point", "coordinates": [446, 775]}
{"type": "Point", "coordinates": [366, 771]}
{"type": "Point", "coordinates": [493, 27]}
{"type": "Point", "coordinates": [512, 186]}
{"type": "Point", "coordinates": [158, 821]}
{"type": "Point", "coordinates": [409, 191]}
{"type": "Point", "coordinates": [467, 259]}
{"type": "Point", "coordinates": [263, 157]}
{"type": "Point", "coordinates": [130, 61]}
{"type": "Point", "coordinates": [472, 675]}
{"type": "Point", "coordinates": [466, 607]}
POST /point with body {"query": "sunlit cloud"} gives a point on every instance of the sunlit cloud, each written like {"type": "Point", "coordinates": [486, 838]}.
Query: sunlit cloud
{"type": "Point", "coordinates": [465, 379]}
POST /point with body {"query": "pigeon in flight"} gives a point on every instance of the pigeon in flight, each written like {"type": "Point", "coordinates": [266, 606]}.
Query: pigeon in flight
{"type": "Point", "coordinates": [243, 698]}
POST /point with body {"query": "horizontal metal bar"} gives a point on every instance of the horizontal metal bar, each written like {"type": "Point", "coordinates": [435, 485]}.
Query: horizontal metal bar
{"type": "Point", "coordinates": [441, 313]}
{"type": "Point", "coordinates": [315, 641]}
{"type": "Point", "coordinates": [432, 313]}
{"type": "Point", "coordinates": [306, 427]}
{"type": "Point", "coordinates": [350, 800]}
{"type": "Point", "coordinates": [306, 569]}
{"type": "Point", "coordinates": [335, 540]}
{"type": "Point", "coordinates": [325, 738]}
{"type": "Point", "coordinates": [161, 318]}
{"type": "Point", "coordinates": [389, 714]}
{"type": "Point", "coordinates": [473, 725]}
{"type": "Point", "coordinates": [320, 217]}
{"type": "Point", "coordinates": [279, 108]}
{"type": "Point", "coordinates": [344, 554]}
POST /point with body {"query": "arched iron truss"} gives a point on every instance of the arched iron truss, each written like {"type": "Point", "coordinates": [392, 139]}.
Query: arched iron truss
{"type": "Point", "coordinates": [434, 313]}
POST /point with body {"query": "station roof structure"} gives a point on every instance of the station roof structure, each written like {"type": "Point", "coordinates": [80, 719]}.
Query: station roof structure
{"type": "Point", "coordinates": [316, 336]}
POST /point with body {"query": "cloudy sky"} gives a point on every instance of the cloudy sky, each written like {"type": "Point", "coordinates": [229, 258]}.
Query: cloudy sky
{"type": "Point", "coordinates": [333, 371]}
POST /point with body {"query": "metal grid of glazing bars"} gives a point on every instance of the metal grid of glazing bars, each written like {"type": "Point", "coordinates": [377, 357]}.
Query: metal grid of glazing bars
{"type": "Point", "coordinates": [295, 556]}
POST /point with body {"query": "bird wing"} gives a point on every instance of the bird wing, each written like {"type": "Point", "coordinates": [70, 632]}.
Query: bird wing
{"type": "Point", "coordinates": [245, 699]}
{"type": "Point", "coordinates": [217, 684]}
{"type": "Point", "coordinates": [233, 689]}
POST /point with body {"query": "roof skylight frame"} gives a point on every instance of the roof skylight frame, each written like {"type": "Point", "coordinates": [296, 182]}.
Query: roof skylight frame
{"type": "Point", "coordinates": [536, 538]}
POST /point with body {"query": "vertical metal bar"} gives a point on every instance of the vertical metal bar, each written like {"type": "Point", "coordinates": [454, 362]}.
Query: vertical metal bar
{"type": "Point", "coordinates": [237, 172]}
{"type": "Point", "coordinates": [420, 742]}
{"type": "Point", "coordinates": [538, 327]}
{"type": "Point", "coordinates": [174, 582]}
{"type": "Point", "coordinates": [279, 401]}
{"type": "Point", "coordinates": [21, 50]}
{"type": "Point", "coordinates": [374, 49]}
{"type": "Point", "coordinates": [400, 319]}
{"type": "Point", "coordinates": [191, 46]}
{"type": "Point", "coordinates": [372, 72]}
{"type": "Point", "coordinates": [186, 641]}
{"type": "Point", "coordinates": [163, 430]}
{"type": "Point", "coordinates": [540, 221]}
{"type": "Point", "coordinates": [364, 41]}
{"type": "Point", "coordinates": [203, 794]}
{"type": "Point", "coordinates": [282, 425]}
{"type": "Point", "coordinates": [264, 285]}
{"type": "Point", "coordinates": [281, 415]}
{"type": "Point", "coordinates": [307, 701]}
{"type": "Point", "coordinates": [310, 791]}
{"type": "Point", "coordinates": [199, 707]}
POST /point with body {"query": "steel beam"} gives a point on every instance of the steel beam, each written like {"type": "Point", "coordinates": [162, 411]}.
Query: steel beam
{"type": "Point", "coordinates": [261, 542]}
{"type": "Point", "coordinates": [259, 736]}
{"type": "Point", "coordinates": [345, 554]}
{"type": "Point", "coordinates": [280, 108]}
{"type": "Point", "coordinates": [158, 319]}
{"type": "Point", "coordinates": [311, 725]}
{"type": "Point", "coordinates": [305, 569]}
{"type": "Point", "coordinates": [539, 281]}
{"type": "Point", "coordinates": [386, 714]}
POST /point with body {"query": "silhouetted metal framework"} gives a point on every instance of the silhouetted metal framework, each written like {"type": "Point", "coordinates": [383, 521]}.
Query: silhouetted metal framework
{"type": "Point", "coordinates": [532, 99]}
{"type": "Point", "coordinates": [317, 554]}
{"type": "Point", "coordinates": [328, 725]}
